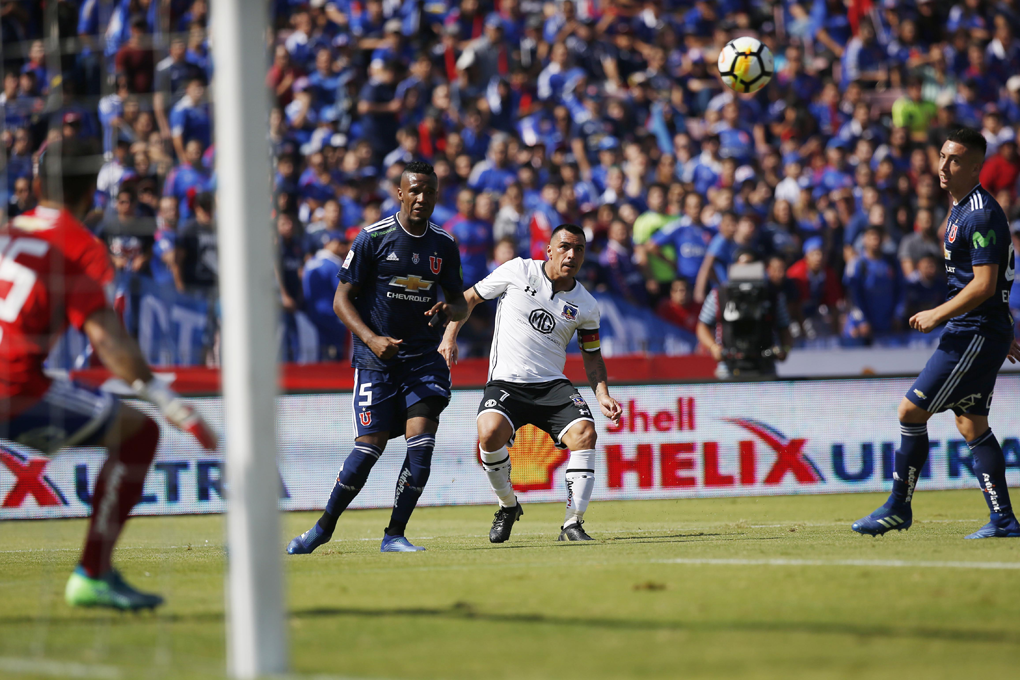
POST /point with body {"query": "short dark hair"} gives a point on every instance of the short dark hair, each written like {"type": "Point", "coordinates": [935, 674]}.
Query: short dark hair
{"type": "Point", "coordinates": [204, 200]}
{"type": "Point", "coordinates": [418, 168]}
{"type": "Point", "coordinates": [571, 228]}
{"type": "Point", "coordinates": [969, 138]}
{"type": "Point", "coordinates": [74, 163]}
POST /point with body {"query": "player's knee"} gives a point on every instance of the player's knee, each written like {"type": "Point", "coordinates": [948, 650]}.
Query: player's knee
{"type": "Point", "coordinates": [585, 435]}
{"type": "Point", "coordinates": [971, 427]}
{"type": "Point", "coordinates": [133, 437]}
{"type": "Point", "coordinates": [493, 433]}
{"type": "Point", "coordinates": [909, 412]}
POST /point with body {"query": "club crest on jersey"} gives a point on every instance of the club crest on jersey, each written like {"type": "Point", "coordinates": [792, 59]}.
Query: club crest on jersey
{"type": "Point", "coordinates": [952, 232]}
{"type": "Point", "coordinates": [435, 264]}
{"type": "Point", "coordinates": [414, 258]}
{"type": "Point", "coordinates": [365, 418]}
{"type": "Point", "coordinates": [570, 311]}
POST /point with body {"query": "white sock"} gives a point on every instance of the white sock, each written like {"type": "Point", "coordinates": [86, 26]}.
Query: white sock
{"type": "Point", "coordinates": [580, 483]}
{"type": "Point", "coordinates": [497, 468]}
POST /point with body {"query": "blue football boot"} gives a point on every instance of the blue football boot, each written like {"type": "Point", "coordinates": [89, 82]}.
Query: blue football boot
{"type": "Point", "coordinates": [308, 541]}
{"type": "Point", "coordinates": [398, 544]}
{"type": "Point", "coordinates": [890, 516]}
{"type": "Point", "coordinates": [1001, 526]}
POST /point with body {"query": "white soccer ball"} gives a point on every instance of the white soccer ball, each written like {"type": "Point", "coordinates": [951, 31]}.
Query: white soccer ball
{"type": "Point", "coordinates": [745, 64]}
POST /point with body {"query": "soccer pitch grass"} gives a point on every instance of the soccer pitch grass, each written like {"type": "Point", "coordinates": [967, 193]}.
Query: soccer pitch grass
{"type": "Point", "coordinates": [725, 588]}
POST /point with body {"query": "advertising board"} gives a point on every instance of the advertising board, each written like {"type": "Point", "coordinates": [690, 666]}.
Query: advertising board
{"type": "Point", "coordinates": [675, 441]}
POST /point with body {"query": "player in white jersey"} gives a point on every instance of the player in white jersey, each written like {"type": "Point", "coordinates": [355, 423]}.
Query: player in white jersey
{"type": "Point", "coordinates": [541, 306]}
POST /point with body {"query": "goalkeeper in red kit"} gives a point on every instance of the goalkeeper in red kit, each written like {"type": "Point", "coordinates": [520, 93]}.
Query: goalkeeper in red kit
{"type": "Point", "coordinates": [53, 274]}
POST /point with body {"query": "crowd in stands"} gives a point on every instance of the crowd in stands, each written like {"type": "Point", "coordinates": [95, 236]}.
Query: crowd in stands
{"type": "Point", "coordinates": [605, 114]}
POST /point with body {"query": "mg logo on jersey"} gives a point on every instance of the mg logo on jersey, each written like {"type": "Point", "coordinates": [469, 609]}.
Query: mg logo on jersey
{"type": "Point", "coordinates": [435, 264]}
{"type": "Point", "coordinates": [365, 418]}
{"type": "Point", "coordinates": [542, 321]}
{"type": "Point", "coordinates": [953, 228]}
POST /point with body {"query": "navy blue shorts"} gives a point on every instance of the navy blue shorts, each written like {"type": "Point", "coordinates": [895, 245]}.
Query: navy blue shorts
{"type": "Point", "coordinates": [69, 414]}
{"type": "Point", "coordinates": [381, 398]}
{"type": "Point", "coordinates": [960, 375]}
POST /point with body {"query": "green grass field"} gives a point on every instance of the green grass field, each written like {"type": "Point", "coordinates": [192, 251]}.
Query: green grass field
{"type": "Point", "coordinates": [729, 588]}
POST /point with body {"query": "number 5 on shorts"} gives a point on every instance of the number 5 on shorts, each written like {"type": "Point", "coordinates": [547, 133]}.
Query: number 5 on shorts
{"type": "Point", "coordinates": [365, 392]}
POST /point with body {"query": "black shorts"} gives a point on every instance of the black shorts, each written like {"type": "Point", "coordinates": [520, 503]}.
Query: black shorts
{"type": "Point", "coordinates": [552, 407]}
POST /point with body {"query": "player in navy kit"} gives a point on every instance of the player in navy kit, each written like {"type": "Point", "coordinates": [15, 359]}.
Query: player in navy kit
{"type": "Point", "coordinates": [387, 296]}
{"type": "Point", "coordinates": [977, 339]}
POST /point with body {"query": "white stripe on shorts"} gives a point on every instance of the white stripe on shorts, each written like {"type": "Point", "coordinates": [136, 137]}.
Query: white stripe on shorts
{"type": "Point", "coordinates": [961, 368]}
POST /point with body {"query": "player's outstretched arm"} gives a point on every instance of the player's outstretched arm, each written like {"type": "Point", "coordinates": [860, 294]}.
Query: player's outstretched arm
{"type": "Point", "coordinates": [980, 288]}
{"type": "Point", "coordinates": [382, 346]}
{"type": "Point", "coordinates": [121, 355]}
{"type": "Point", "coordinates": [448, 347]}
{"type": "Point", "coordinates": [598, 377]}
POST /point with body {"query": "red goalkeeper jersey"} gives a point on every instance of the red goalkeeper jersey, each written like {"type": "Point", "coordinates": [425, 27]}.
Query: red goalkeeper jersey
{"type": "Point", "coordinates": [53, 273]}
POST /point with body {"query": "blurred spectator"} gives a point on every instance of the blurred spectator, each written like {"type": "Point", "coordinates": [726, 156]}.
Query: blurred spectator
{"type": "Point", "coordinates": [819, 290]}
{"type": "Point", "coordinates": [1002, 169]}
{"type": "Point", "coordinates": [129, 236]}
{"type": "Point", "coordinates": [378, 106]}
{"type": "Point", "coordinates": [290, 263]}
{"type": "Point", "coordinates": [618, 271]}
{"type": "Point", "coordinates": [718, 257]}
{"type": "Point", "coordinates": [19, 162]}
{"type": "Point", "coordinates": [511, 221]}
{"type": "Point", "coordinates": [863, 60]}
{"type": "Point", "coordinates": [198, 248]}
{"type": "Point", "coordinates": [134, 59]}
{"type": "Point", "coordinates": [913, 111]}
{"type": "Point", "coordinates": [922, 242]}
{"type": "Point", "coordinates": [189, 178]}
{"type": "Point", "coordinates": [113, 173]}
{"type": "Point", "coordinates": [318, 284]}
{"type": "Point", "coordinates": [166, 268]}
{"type": "Point", "coordinates": [679, 307]}
{"type": "Point", "coordinates": [925, 286]}
{"type": "Point", "coordinates": [995, 133]}
{"type": "Point", "coordinates": [875, 287]}
{"type": "Point", "coordinates": [474, 237]}
{"type": "Point", "coordinates": [21, 199]}
{"type": "Point", "coordinates": [190, 118]}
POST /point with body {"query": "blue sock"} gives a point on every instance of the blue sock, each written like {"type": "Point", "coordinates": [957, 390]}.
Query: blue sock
{"type": "Point", "coordinates": [990, 470]}
{"type": "Point", "coordinates": [411, 482]}
{"type": "Point", "coordinates": [353, 475]}
{"type": "Point", "coordinates": [909, 461]}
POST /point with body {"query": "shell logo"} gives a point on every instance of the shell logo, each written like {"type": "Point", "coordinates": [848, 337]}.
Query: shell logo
{"type": "Point", "coordinates": [533, 459]}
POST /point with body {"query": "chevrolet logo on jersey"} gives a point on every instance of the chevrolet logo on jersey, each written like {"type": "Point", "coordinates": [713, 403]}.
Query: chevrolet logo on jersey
{"type": "Point", "coordinates": [411, 283]}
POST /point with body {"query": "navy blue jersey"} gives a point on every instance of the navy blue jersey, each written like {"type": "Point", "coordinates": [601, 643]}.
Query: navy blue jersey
{"type": "Point", "coordinates": [977, 232]}
{"type": "Point", "coordinates": [399, 276]}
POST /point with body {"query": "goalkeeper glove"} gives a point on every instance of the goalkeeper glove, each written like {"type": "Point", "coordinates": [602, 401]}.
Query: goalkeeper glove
{"type": "Point", "coordinates": [181, 415]}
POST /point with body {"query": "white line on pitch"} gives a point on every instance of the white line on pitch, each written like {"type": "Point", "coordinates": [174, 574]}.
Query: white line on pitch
{"type": "Point", "coordinates": [57, 669]}
{"type": "Point", "coordinates": [778, 562]}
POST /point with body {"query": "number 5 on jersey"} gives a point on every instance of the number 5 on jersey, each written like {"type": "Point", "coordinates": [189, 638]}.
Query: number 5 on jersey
{"type": "Point", "coordinates": [365, 392]}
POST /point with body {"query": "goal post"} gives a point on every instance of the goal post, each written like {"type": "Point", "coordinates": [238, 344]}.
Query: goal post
{"type": "Point", "coordinates": [256, 635]}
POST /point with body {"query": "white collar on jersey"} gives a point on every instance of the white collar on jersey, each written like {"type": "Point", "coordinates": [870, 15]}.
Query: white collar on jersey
{"type": "Point", "coordinates": [396, 218]}
{"type": "Point", "coordinates": [967, 195]}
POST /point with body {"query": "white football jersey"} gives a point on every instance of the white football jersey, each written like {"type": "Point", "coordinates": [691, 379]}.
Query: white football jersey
{"type": "Point", "coordinates": [534, 325]}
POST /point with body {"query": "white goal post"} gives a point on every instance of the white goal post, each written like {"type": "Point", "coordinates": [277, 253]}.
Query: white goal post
{"type": "Point", "coordinates": [256, 634]}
